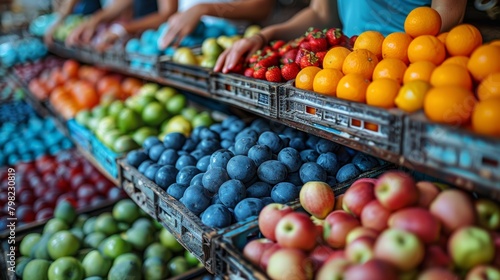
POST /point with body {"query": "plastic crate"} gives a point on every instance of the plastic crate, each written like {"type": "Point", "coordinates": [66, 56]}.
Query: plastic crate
{"type": "Point", "coordinates": [256, 96]}
{"type": "Point", "coordinates": [80, 135]}
{"type": "Point", "coordinates": [187, 75]}
{"type": "Point", "coordinates": [114, 58]}
{"type": "Point", "coordinates": [474, 159]}
{"type": "Point", "coordinates": [105, 156]}
{"type": "Point", "coordinates": [145, 64]}
{"type": "Point", "coordinates": [349, 123]}
{"type": "Point", "coordinates": [89, 54]}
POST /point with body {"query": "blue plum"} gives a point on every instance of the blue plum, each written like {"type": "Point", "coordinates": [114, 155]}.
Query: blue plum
{"type": "Point", "coordinates": [260, 153]}
{"type": "Point", "coordinates": [217, 216]}
{"type": "Point", "coordinates": [329, 163]}
{"type": "Point", "coordinates": [347, 172]}
{"type": "Point", "coordinates": [168, 157]}
{"type": "Point", "coordinates": [285, 192]}
{"type": "Point", "coordinates": [272, 172]}
{"type": "Point", "coordinates": [259, 190]}
{"type": "Point", "coordinates": [241, 168]}
{"type": "Point", "coordinates": [311, 171]}
{"type": "Point", "coordinates": [165, 176]}
{"type": "Point", "coordinates": [290, 158]}
{"type": "Point", "coordinates": [231, 192]}
{"type": "Point", "coordinates": [214, 178]}
{"type": "Point", "coordinates": [174, 140]}
{"type": "Point", "coordinates": [186, 174]}
{"type": "Point", "coordinates": [248, 207]}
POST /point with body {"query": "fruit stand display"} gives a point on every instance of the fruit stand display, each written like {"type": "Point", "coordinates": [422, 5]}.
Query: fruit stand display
{"type": "Point", "coordinates": [307, 191]}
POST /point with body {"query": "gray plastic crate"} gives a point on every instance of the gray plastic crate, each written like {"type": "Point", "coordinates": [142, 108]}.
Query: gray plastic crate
{"type": "Point", "coordinates": [187, 75]}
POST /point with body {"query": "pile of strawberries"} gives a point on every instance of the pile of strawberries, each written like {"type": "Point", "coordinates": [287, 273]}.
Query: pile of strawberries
{"type": "Point", "coordinates": [282, 61]}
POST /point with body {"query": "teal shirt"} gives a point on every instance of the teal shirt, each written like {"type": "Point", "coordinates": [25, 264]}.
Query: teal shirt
{"type": "Point", "coordinates": [386, 17]}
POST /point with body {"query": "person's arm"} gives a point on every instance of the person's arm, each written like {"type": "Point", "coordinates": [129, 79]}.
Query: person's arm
{"type": "Point", "coordinates": [166, 8]}
{"type": "Point", "coordinates": [319, 14]}
{"type": "Point", "coordinates": [451, 11]}
{"type": "Point", "coordinates": [63, 10]}
{"type": "Point", "coordinates": [182, 24]}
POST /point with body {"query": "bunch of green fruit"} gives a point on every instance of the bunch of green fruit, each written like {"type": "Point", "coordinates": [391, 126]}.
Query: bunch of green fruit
{"type": "Point", "coordinates": [122, 244]}
{"type": "Point", "coordinates": [153, 111]}
{"type": "Point", "coordinates": [70, 23]}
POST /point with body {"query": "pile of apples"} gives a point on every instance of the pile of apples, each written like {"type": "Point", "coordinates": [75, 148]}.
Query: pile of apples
{"type": "Point", "coordinates": [385, 228]}
{"type": "Point", "coordinates": [73, 87]}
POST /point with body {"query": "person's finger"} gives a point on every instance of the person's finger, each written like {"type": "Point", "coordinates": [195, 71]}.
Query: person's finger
{"type": "Point", "coordinates": [221, 60]}
{"type": "Point", "coordinates": [168, 39]}
{"type": "Point", "coordinates": [252, 51]}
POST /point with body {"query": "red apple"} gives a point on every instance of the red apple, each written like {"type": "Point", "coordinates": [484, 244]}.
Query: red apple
{"type": "Point", "coordinates": [427, 193]}
{"type": "Point", "coordinates": [375, 216]}
{"type": "Point", "coordinates": [357, 196]}
{"type": "Point", "coordinates": [269, 218]}
{"type": "Point", "coordinates": [337, 254]}
{"type": "Point", "coordinates": [333, 269]}
{"type": "Point", "coordinates": [264, 259]}
{"type": "Point", "coordinates": [454, 209]}
{"type": "Point", "coordinates": [436, 256]}
{"type": "Point", "coordinates": [483, 272]}
{"type": "Point", "coordinates": [360, 250]}
{"type": "Point", "coordinates": [471, 246]}
{"type": "Point", "coordinates": [418, 221]}
{"type": "Point", "coordinates": [319, 255]}
{"type": "Point", "coordinates": [317, 198]}
{"type": "Point", "coordinates": [365, 180]}
{"type": "Point", "coordinates": [400, 248]}
{"type": "Point", "coordinates": [337, 225]}
{"type": "Point", "coordinates": [254, 249]}
{"type": "Point", "coordinates": [488, 213]}
{"type": "Point", "coordinates": [437, 273]}
{"type": "Point", "coordinates": [296, 230]}
{"type": "Point", "coordinates": [396, 190]}
{"type": "Point", "coordinates": [289, 264]}
{"type": "Point", "coordinates": [361, 232]}
{"type": "Point", "coordinates": [373, 269]}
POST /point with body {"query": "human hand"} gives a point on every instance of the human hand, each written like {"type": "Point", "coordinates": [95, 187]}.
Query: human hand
{"type": "Point", "coordinates": [179, 26]}
{"type": "Point", "coordinates": [48, 37]}
{"type": "Point", "coordinates": [81, 34]}
{"type": "Point", "coordinates": [231, 56]}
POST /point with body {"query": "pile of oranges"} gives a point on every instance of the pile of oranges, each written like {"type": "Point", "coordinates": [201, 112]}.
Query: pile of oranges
{"type": "Point", "coordinates": [452, 76]}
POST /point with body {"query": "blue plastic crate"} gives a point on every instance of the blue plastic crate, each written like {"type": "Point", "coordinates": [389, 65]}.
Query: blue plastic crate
{"type": "Point", "coordinates": [105, 157]}
{"type": "Point", "coordinates": [80, 135]}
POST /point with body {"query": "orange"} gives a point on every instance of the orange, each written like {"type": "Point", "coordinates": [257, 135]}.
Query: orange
{"type": "Point", "coordinates": [442, 37]}
{"type": "Point", "coordinates": [449, 104]}
{"type": "Point", "coordinates": [495, 42]}
{"type": "Point", "coordinates": [489, 87]}
{"type": "Point", "coordinates": [451, 75]}
{"type": "Point", "coordinates": [395, 45]}
{"type": "Point", "coordinates": [335, 57]}
{"type": "Point", "coordinates": [485, 117]}
{"type": "Point", "coordinates": [484, 61]}
{"type": "Point", "coordinates": [353, 87]}
{"type": "Point", "coordinates": [463, 39]}
{"type": "Point", "coordinates": [360, 62]}
{"type": "Point", "coordinates": [420, 70]}
{"type": "Point", "coordinates": [326, 81]}
{"type": "Point", "coordinates": [423, 21]}
{"type": "Point", "coordinates": [458, 60]}
{"type": "Point", "coordinates": [370, 40]}
{"type": "Point", "coordinates": [305, 77]}
{"type": "Point", "coordinates": [411, 96]}
{"type": "Point", "coordinates": [428, 48]}
{"type": "Point", "coordinates": [382, 92]}
{"type": "Point", "coordinates": [391, 68]}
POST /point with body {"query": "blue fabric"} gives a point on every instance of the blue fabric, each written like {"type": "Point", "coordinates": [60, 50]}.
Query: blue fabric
{"type": "Point", "coordinates": [145, 7]}
{"type": "Point", "coordinates": [87, 7]}
{"type": "Point", "coordinates": [383, 16]}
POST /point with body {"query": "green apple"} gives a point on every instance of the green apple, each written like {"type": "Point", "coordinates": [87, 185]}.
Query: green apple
{"type": "Point", "coordinates": [21, 265]}
{"type": "Point", "coordinates": [148, 89]}
{"type": "Point", "coordinates": [189, 113]}
{"type": "Point", "coordinates": [92, 240]}
{"type": "Point", "coordinates": [128, 120]}
{"type": "Point", "coordinates": [177, 266]}
{"type": "Point", "coordinates": [54, 225]}
{"type": "Point", "coordinates": [115, 108]}
{"type": "Point", "coordinates": [154, 269]}
{"type": "Point", "coordinates": [106, 224]}
{"type": "Point", "coordinates": [184, 56]}
{"type": "Point", "coordinates": [95, 264]}
{"type": "Point", "coordinates": [99, 111]}
{"type": "Point", "coordinates": [471, 246]}
{"type": "Point", "coordinates": [66, 268]}
{"type": "Point", "coordinates": [83, 117]}
{"type": "Point", "coordinates": [488, 213]}
{"type": "Point", "coordinates": [80, 221]}
{"type": "Point", "coordinates": [202, 119]}
{"type": "Point", "coordinates": [168, 240]}
{"type": "Point", "coordinates": [481, 272]}
{"type": "Point", "coordinates": [208, 62]}
{"type": "Point", "coordinates": [154, 114]}
{"type": "Point", "coordinates": [78, 233]}
{"type": "Point", "coordinates": [62, 244]}
{"type": "Point", "coordinates": [176, 104]}
{"type": "Point", "coordinates": [176, 124]}
{"type": "Point", "coordinates": [143, 133]}
{"type": "Point", "coordinates": [191, 259]}
{"type": "Point", "coordinates": [106, 124]}
{"type": "Point", "coordinates": [92, 123]}
{"type": "Point", "coordinates": [65, 212]}
{"type": "Point", "coordinates": [156, 249]}
{"type": "Point", "coordinates": [109, 138]}
{"type": "Point", "coordinates": [126, 211]}
{"type": "Point", "coordinates": [164, 94]}
{"type": "Point", "coordinates": [36, 270]}
{"type": "Point", "coordinates": [88, 226]}
{"type": "Point", "coordinates": [28, 242]}
{"type": "Point", "coordinates": [39, 250]}
{"type": "Point", "coordinates": [114, 246]}
{"type": "Point", "coordinates": [210, 48]}
{"type": "Point", "coordinates": [139, 238]}
{"type": "Point", "coordinates": [128, 258]}
{"type": "Point", "coordinates": [124, 144]}
{"type": "Point", "coordinates": [144, 223]}
{"type": "Point", "coordinates": [125, 270]}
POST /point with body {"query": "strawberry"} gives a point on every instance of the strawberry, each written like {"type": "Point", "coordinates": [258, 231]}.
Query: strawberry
{"type": "Point", "coordinates": [318, 42]}
{"type": "Point", "coordinates": [309, 59]}
{"type": "Point", "coordinates": [290, 55]}
{"type": "Point", "coordinates": [290, 71]}
{"type": "Point", "coordinates": [259, 73]}
{"type": "Point", "coordinates": [284, 49]}
{"type": "Point", "coordinates": [300, 54]}
{"type": "Point", "coordinates": [334, 36]}
{"type": "Point", "coordinates": [273, 74]}
{"type": "Point", "coordinates": [311, 32]}
{"type": "Point", "coordinates": [305, 45]}
{"type": "Point", "coordinates": [267, 49]}
{"type": "Point", "coordinates": [238, 68]}
{"type": "Point", "coordinates": [249, 72]}
{"type": "Point", "coordinates": [321, 56]}
{"type": "Point", "coordinates": [255, 57]}
{"type": "Point", "coordinates": [276, 45]}
{"type": "Point", "coordinates": [352, 40]}
{"type": "Point", "coordinates": [296, 43]}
